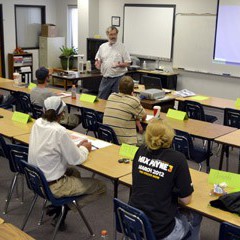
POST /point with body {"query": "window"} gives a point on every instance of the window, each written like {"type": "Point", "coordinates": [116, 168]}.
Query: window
{"type": "Point", "coordinates": [28, 20]}
{"type": "Point", "coordinates": [73, 26]}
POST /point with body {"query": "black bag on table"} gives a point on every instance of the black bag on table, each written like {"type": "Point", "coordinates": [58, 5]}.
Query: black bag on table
{"type": "Point", "coordinates": [229, 202]}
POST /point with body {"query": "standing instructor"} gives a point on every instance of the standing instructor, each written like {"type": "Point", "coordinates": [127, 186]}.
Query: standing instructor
{"type": "Point", "coordinates": [113, 60]}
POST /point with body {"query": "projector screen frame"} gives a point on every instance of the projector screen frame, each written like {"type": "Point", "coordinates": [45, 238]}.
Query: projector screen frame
{"type": "Point", "coordinates": [147, 56]}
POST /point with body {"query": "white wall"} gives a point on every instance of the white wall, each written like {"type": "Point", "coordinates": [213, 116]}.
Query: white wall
{"type": "Point", "coordinates": [201, 83]}
{"type": "Point", "coordinates": [56, 13]}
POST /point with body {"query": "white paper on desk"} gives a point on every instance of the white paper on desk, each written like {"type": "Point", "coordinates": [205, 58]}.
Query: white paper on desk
{"type": "Point", "coordinates": [96, 144]}
{"type": "Point", "coordinates": [77, 138]}
{"type": "Point", "coordinates": [99, 143]}
{"type": "Point", "coordinates": [149, 117]}
{"type": "Point", "coordinates": [184, 93]}
{"type": "Point", "coordinates": [63, 95]}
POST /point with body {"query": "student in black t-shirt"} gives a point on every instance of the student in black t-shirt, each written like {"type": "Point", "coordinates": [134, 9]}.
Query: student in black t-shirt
{"type": "Point", "coordinates": [161, 179]}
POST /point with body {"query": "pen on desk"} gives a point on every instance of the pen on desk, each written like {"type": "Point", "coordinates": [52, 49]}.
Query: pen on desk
{"type": "Point", "coordinates": [95, 147]}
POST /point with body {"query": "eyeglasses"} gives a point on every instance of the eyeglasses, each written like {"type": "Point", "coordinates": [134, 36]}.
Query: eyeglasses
{"type": "Point", "coordinates": [123, 160]}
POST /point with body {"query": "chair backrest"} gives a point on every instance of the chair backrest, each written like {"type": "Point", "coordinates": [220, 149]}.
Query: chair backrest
{"type": "Point", "coordinates": [37, 181]}
{"type": "Point", "coordinates": [37, 111]}
{"type": "Point", "coordinates": [229, 232]}
{"type": "Point", "coordinates": [8, 148]}
{"type": "Point", "coordinates": [90, 119]}
{"type": "Point", "coordinates": [24, 101]}
{"type": "Point", "coordinates": [18, 153]}
{"type": "Point", "coordinates": [107, 134]}
{"type": "Point", "coordinates": [38, 184]}
{"type": "Point", "coordinates": [182, 142]}
{"type": "Point", "coordinates": [231, 117]}
{"type": "Point", "coordinates": [151, 82]}
{"type": "Point", "coordinates": [132, 222]}
{"type": "Point", "coordinates": [194, 110]}
{"type": "Point", "coordinates": [4, 148]}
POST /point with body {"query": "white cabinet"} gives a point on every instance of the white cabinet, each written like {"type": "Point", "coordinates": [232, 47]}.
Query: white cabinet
{"type": "Point", "coordinates": [49, 51]}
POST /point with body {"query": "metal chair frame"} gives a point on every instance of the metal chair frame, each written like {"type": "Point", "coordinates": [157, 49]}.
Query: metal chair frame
{"type": "Point", "coordinates": [39, 185]}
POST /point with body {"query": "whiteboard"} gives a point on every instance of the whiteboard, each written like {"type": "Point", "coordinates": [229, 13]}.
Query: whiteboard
{"type": "Point", "coordinates": [194, 44]}
{"type": "Point", "coordinates": [148, 30]}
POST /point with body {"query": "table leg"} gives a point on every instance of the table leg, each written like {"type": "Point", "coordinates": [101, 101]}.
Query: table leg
{"type": "Point", "coordinates": [239, 163]}
{"type": "Point", "coordinates": [208, 154]}
{"type": "Point", "coordinates": [221, 157]}
{"type": "Point", "coordinates": [65, 84]}
{"type": "Point", "coordinates": [115, 182]}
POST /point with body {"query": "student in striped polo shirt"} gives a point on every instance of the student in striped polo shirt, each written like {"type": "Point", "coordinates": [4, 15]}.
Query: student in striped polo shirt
{"type": "Point", "coordinates": [123, 111]}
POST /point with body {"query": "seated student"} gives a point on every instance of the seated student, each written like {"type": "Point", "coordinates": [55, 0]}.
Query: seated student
{"type": "Point", "coordinates": [52, 150]}
{"type": "Point", "coordinates": [123, 111]}
{"type": "Point", "coordinates": [161, 179]}
{"type": "Point", "coordinates": [40, 93]}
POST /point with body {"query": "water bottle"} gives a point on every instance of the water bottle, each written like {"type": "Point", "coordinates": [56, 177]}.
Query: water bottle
{"type": "Point", "coordinates": [144, 65]}
{"type": "Point", "coordinates": [88, 66]}
{"type": "Point", "coordinates": [81, 65]}
{"type": "Point", "coordinates": [104, 234]}
{"type": "Point", "coordinates": [74, 92]}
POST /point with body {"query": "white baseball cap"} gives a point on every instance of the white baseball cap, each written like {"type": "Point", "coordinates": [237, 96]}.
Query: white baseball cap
{"type": "Point", "coordinates": [54, 103]}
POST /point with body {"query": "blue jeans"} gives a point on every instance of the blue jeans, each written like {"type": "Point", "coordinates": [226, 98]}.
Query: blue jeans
{"type": "Point", "coordinates": [186, 221]}
{"type": "Point", "coordinates": [107, 86]}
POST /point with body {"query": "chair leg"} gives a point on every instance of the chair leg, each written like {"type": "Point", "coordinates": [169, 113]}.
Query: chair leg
{"type": "Point", "coordinates": [199, 167]}
{"type": "Point", "coordinates": [9, 196]}
{"type": "Point", "coordinates": [29, 211]}
{"type": "Point", "coordinates": [58, 222]}
{"type": "Point", "coordinates": [227, 158]}
{"type": "Point", "coordinates": [22, 176]}
{"type": "Point", "coordinates": [42, 213]}
{"type": "Point", "coordinates": [84, 219]}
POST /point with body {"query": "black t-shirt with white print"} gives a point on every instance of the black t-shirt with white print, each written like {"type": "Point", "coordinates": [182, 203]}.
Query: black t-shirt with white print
{"type": "Point", "coordinates": [160, 177]}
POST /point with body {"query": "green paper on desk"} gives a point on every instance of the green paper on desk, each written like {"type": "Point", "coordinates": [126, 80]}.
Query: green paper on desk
{"type": "Point", "coordinates": [32, 85]}
{"type": "Point", "coordinates": [237, 103]}
{"type": "Point", "coordinates": [21, 117]}
{"type": "Point", "coordinates": [179, 115]}
{"type": "Point", "coordinates": [88, 98]}
{"type": "Point", "coordinates": [198, 98]}
{"type": "Point", "coordinates": [217, 176]}
{"type": "Point", "coordinates": [128, 151]}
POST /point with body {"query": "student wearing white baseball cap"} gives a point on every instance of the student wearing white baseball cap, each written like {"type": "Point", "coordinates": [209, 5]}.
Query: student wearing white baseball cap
{"type": "Point", "coordinates": [52, 150]}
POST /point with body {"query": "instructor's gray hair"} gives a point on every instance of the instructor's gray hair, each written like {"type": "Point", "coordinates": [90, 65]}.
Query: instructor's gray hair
{"type": "Point", "coordinates": [111, 28]}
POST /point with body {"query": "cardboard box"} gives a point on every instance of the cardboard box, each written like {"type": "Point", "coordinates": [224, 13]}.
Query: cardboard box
{"type": "Point", "coordinates": [48, 30]}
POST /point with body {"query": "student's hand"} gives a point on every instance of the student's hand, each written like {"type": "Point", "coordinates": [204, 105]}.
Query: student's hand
{"type": "Point", "coordinates": [86, 144]}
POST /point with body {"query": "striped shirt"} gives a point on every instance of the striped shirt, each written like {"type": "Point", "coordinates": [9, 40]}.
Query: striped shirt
{"type": "Point", "coordinates": [120, 113]}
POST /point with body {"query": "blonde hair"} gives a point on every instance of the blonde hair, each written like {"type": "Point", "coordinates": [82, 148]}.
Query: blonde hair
{"type": "Point", "coordinates": [158, 134]}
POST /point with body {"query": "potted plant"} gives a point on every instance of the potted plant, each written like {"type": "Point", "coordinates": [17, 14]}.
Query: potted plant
{"type": "Point", "coordinates": [67, 56]}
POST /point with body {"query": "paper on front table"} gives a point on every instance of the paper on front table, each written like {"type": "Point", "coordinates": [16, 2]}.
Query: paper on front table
{"type": "Point", "coordinates": [64, 94]}
{"type": "Point", "coordinates": [99, 143]}
{"type": "Point", "coordinates": [77, 138]}
{"type": "Point", "coordinates": [149, 117]}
